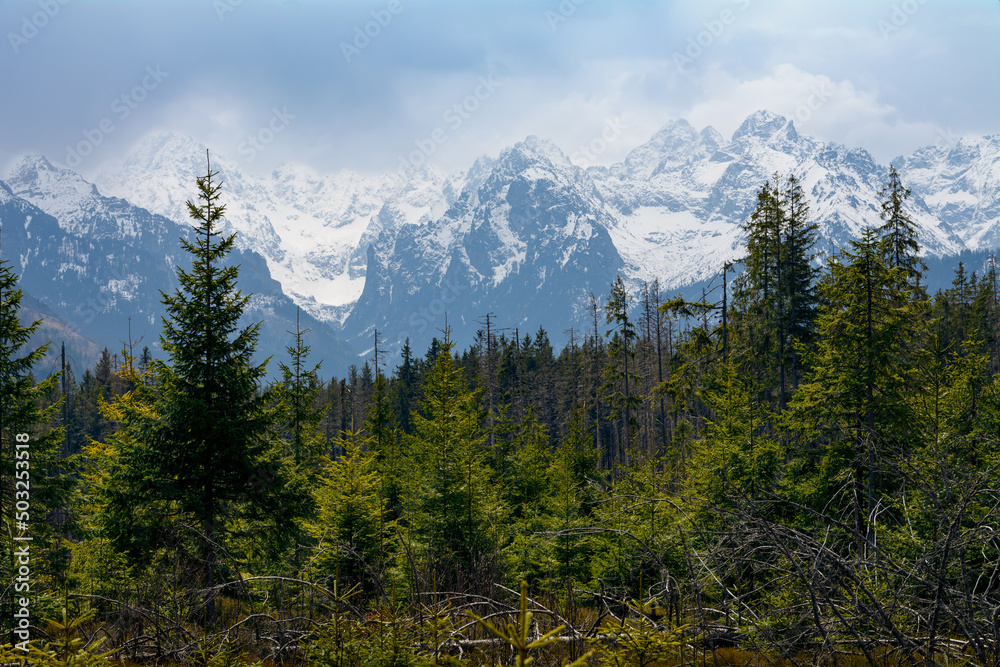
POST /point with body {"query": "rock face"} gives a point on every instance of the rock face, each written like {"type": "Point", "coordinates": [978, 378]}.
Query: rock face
{"type": "Point", "coordinates": [526, 236]}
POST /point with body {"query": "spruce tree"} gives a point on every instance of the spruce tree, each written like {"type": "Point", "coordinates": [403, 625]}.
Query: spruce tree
{"type": "Point", "coordinates": [798, 277]}
{"type": "Point", "coordinates": [899, 233]}
{"type": "Point", "coordinates": [758, 297]}
{"type": "Point", "coordinates": [622, 379]}
{"type": "Point", "coordinates": [855, 400]}
{"type": "Point", "coordinates": [299, 391]}
{"type": "Point", "coordinates": [449, 491]}
{"type": "Point", "coordinates": [201, 447]}
{"type": "Point", "coordinates": [775, 297]}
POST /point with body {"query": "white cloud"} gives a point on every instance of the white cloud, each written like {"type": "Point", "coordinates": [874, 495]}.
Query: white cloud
{"type": "Point", "coordinates": [824, 108]}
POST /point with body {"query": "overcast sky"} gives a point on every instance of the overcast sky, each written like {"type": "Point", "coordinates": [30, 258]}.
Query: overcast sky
{"type": "Point", "coordinates": [363, 84]}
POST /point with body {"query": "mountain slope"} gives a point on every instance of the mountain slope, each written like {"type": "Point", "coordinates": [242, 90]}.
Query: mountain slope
{"type": "Point", "coordinates": [312, 230]}
{"type": "Point", "coordinates": [100, 263]}
{"type": "Point", "coordinates": [527, 240]}
{"type": "Point", "coordinates": [526, 235]}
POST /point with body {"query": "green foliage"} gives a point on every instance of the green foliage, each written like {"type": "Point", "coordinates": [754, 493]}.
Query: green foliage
{"type": "Point", "coordinates": [899, 244]}
{"type": "Point", "coordinates": [298, 393]}
{"type": "Point", "coordinates": [450, 497]}
{"type": "Point", "coordinates": [195, 458]}
{"type": "Point", "coordinates": [66, 649]}
{"type": "Point", "coordinates": [380, 639]}
{"type": "Point", "coordinates": [826, 484]}
{"type": "Point", "coordinates": [855, 400]}
{"type": "Point", "coordinates": [739, 458]}
{"type": "Point", "coordinates": [621, 377]}
{"type": "Point", "coordinates": [32, 470]}
{"type": "Point", "coordinates": [353, 532]}
{"type": "Point", "coordinates": [636, 641]}
{"type": "Point", "coordinates": [516, 634]}
{"type": "Point", "coordinates": [775, 297]}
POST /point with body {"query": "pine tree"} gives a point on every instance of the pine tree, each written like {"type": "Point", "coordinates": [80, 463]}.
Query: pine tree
{"type": "Point", "coordinates": [899, 234]}
{"type": "Point", "coordinates": [855, 398]}
{"type": "Point", "coordinates": [299, 393]}
{"type": "Point", "coordinates": [202, 446]}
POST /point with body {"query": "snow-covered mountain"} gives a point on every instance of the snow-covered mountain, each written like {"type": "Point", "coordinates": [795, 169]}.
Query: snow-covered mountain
{"type": "Point", "coordinates": [526, 235]}
{"type": "Point", "coordinates": [98, 264]}
{"type": "Point", "coordinates": [527, 239]}
{"type": "Point", "coordinates": [680, 197]}
{"type": "Point", "coordinates": [960, 185]}
{"type": "Point", "coordinates": [312, 229]}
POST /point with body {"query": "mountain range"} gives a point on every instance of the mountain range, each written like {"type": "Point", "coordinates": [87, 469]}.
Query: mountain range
{"type": "Point", "coordinates": [527, 235]}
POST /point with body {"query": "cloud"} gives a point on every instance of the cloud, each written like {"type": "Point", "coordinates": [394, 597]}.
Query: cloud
{"type": "Point", "coordinates": [821, 107]}
{"type": "Point", "coordinates": [564, 80]}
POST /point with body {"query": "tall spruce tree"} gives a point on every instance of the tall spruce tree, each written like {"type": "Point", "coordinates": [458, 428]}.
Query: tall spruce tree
{"type": "Point", "coordinates": [622, 379]}
{"type": "Point", "coordinates": [899, 233]}
{"type": "Point", "coordinates": [798, 277]}
{"type": "Point", "coordinates": [757, 294]}
{"type": "Point", "coordinates": [855, 400]}
{"type": "Point", "coordinates": [775, 297]}
{"type": "Point", "coordinates": [201, 448]}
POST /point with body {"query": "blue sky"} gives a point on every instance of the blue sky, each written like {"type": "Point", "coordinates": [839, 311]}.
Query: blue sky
{"type": "Point", "coordinates": [361, 84]}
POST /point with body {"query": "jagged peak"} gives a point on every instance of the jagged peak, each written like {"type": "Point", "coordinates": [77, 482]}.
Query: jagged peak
{"type": "Point", "coordinates": [764, 124]}
{"type": "Point", "coordinates": [789, 131]}
{"type": "Point", "coordinates": [34, 173]}
{"type": "Point", "coordinates": [540, 148]}
{"type": "Point", "coordinates": [711, 137]}
{"type": "Point", "coordinates": [676, 128]}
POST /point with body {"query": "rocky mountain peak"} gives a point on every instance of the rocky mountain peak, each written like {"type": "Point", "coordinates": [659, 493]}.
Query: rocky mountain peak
{"type": "Point", "coordinates": [762, 124]}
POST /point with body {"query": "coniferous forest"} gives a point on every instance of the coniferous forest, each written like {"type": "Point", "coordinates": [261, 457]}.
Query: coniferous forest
{"type": "Point", "coordinates": [799, 467]}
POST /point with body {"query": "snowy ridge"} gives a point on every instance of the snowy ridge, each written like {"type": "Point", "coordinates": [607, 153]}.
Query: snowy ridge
{"type": "Point", "coordinates": [310, 228]}
{"type": "Point", "coordinates": [526, 231]}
